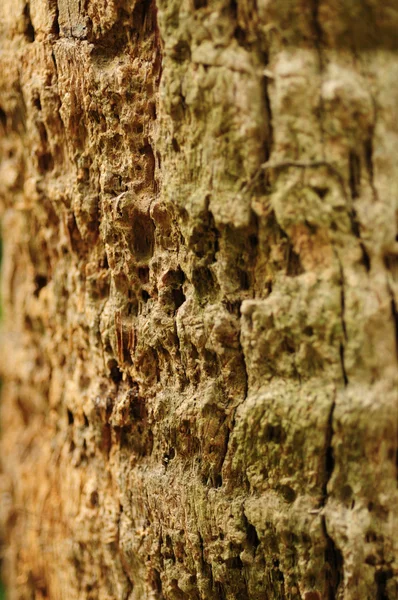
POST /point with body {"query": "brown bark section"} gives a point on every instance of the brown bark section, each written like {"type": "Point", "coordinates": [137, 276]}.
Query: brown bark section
{"type": "Point", "coordinates": [199, 349]}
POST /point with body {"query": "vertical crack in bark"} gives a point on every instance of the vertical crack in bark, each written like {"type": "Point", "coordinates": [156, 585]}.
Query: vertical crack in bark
{"type": "Point", "coordinates": [333, 556]}
{"type": "Point", "coordinates": [345, 378]}
{"type": "Point", "coordinates": [317, 30]}
{"type": "Point", "coordinates": [394, 313]}
{"type": "Point", "coordinates": [335, 564]}
{"type": "Point", "coordinates": [318, 35]}
{"type": "Point", "coordinates": [365, 255]}
{"type": "Point", "coordinates": [354, 177]}
{"type": "Point", "coordinates": [354, 174]}
{"type": "Point", "coordinates": [369, 162]}
{"type": "Point", "coordinates": [390, 263]}
{"type": "Point", "coordinates": [55, 26]}
{"type": "Point", "coordinates": [29, 30]}
{"type": "Point", "coordinates": [218, 479]}
{"type": "Point", "coordinates": [369, 150]}
{"type": "Point", "coordinates": [395, 317]}
{"type": "Point", "coordinates": [329, 454]}
{"type": "Point", "coordinates": [268, 114]}
{"type": "Point", "coordinates": [343, 323]}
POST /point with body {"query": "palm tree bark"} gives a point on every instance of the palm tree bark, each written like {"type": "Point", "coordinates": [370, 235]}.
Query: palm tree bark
{"type": "Point", "coordinates": [200, 290]}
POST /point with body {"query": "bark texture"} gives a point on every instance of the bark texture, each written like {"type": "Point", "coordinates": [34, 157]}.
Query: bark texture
{"type": "Point", "coordinates": [200, 285]}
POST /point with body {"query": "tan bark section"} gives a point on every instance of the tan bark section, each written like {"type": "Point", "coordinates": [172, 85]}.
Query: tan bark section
{"type": "Point", "coordinates": [200, 285]}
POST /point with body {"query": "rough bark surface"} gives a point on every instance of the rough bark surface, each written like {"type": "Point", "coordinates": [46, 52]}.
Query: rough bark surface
{"type": "Point", "coordinates": [200, 286]}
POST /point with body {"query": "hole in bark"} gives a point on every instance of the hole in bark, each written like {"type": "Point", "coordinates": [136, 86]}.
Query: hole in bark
{"type": "Point", "coordinates": [143, 274]}
{"type": "Point", "coordinates": [240, 36]}
{"type": "Point", "coordinates": [55, 24]}
{"type": "Point", "coordinates": [370, 537]}
{"type": "Point", "coordinates": [288, 493]}
{"type": "Point", "coordinates": [41, 128]}
{"type": "Point", "coordinates": [178, 298]}
{"type": "Point", "coordinates": [142, 236]}
{"type": "Point", "coordinates": [181, 51]}
{"type": "Point", "coordinates": [288, 346]}
{"type": "Point", "coordinates": [274, 433]}
{"type": "Point", "coordinates": [346, 493]}
{"type": "Point", "coordinates": [176, 145]}
{"type": "Point", "coordinates": [29, 29]}
{"type": "Point", "coordinates": [40, 283]}
{"type": "Point", "coordinates": [395, 318]}
{"type": "Point", "coordinates": [251, 534]}
{"type": "Point", "coordinates": [3, 118]}
{"type": "Point", "coordinates": [244, 279]}
{"type": "Point", "coordinates": [156, 581]}
{"type": "Point", "coordinates": [368, 147]}
{"type": "Point", "coordinates": [253, 241]}
{"type": "Point", "coordinates": [199, 3]}
{"type": "Point", "coordinates": [233, 307]}
{"type": "Point", "coordinates": [37, 102]}
{"type": "Point", "coordinates": [168, 456]}
{"type": "Point", "coordinates": [381, 578]}
{"type": "Point", "coordinates": [322, 192]}
{"type": "Point", "coordinates": [150, 161]}
{"type": "Point", "coordinates": [45, 162]}
{"type": "Point", "coordinates": [204, 238]}
{"type": "Point", "coordinates": [218, 481]}
{"type": "Point", "coordinates": [138, 410]}
{"type": "Point", "coordinates": [70, 417]}
{"type": "Point", "coordinates": [174, 279]}
{"type": "Point", "coordinates": [94, 498]}
{"type": "Point", "coordinates": [144, 295]}
{"type": "Point", "coordinates": [293, 263]}
{"type": "Point", "coordinates": [115, 373]}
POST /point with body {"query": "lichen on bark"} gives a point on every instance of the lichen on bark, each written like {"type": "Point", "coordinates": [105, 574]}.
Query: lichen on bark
{"type": "Point", "coordinates": [199, 347]}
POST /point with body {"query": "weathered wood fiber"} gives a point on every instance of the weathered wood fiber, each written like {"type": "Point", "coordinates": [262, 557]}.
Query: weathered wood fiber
{"type": "Point", "coordinates": [200, 290]}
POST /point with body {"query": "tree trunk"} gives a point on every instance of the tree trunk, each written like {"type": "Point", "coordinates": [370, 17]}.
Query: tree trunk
{"type": "Point", "coordinates": [200, 292]}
